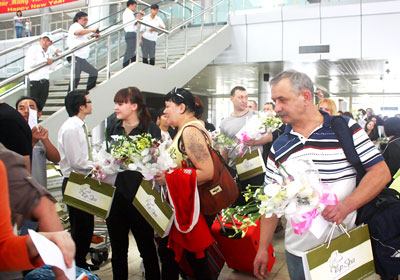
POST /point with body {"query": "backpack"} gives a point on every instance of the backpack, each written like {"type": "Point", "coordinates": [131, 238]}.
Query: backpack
{"type": "Point", "coordinates": [382, 214]}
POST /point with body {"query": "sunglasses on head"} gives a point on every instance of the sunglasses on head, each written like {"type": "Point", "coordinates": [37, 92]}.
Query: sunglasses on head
{"type": "Point", "coordinates": [175, 91]}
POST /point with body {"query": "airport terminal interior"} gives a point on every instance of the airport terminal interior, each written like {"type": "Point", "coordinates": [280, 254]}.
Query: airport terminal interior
{"type": "Point", "coordinates": [348, 48]}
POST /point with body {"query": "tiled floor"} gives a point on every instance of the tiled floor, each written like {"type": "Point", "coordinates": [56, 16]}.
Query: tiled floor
{"type": "Point", "coordinates": [279, 271]}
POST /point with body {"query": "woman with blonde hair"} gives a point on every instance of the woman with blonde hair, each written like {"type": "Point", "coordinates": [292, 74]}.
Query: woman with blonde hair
{"type": "Point", "coordinates": [328, 105]}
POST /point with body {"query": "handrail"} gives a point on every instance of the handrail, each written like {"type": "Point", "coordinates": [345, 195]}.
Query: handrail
{"type": "Point", "coordinates": [104, 36]}
{"type": "Point", "coordinates": [193, 17]}
{"type": "Point", "coordinates": [70, 51]}
{"type": "Point", "coordinates": [26, 43]}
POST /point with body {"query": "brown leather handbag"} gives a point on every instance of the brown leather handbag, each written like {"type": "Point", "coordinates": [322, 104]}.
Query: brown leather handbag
{"type": "Point", "coordinates": [222, 191]}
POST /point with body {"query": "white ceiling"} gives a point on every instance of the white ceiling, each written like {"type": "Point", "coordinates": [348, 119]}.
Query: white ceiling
{"type": "Point", "coordinates": [348, 77]}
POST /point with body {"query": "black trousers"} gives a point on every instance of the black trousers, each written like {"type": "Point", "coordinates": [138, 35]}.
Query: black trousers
{"type": "Point", "coordinates": [123, 218]}
{"type": "Point", "coordinates": [82, 225]}
{"type": "Point", "coordinates": [130, 52]}
{"type": "Point", "coordinates": [40, 91]}
{"type": "Point", "coordinates": [170, 268]}
{"type": "Point", "coordinates": [82, 65]}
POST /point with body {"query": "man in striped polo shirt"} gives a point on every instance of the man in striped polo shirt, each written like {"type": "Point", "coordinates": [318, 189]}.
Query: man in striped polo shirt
{"type": "Point", "coordinates": [309, 136]}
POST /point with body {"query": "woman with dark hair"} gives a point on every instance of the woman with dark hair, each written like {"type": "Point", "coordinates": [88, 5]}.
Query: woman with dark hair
{"type": "Point", "coordinates": [163, 122]}
{"type": "Point", "coordinates": [181, 110]}
{"type": "Point", "coordinates": [199, 114]}
{"type": "Point", "coordinates": [391, 154]}
{"type": "Point", "coordinates": [78, 34]}
{"type": "Point", "coordinates": [132, 119]}
{"type": "Point", "coordinates": [19, 24]}
{"type": "Point", "coordinates": [372, 131]}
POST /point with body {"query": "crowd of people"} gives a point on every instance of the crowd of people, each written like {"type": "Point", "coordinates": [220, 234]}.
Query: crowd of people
{"type": "Point", "coordinates": [304, 123]}
{"type": "Point", "coordinates": [79, 33]}
{"type": "Point", "coordinates": [306, 133]}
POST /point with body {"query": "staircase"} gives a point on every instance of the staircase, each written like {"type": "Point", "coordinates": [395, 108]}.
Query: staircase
{"type": "Point", "coordinates": [176, 51]}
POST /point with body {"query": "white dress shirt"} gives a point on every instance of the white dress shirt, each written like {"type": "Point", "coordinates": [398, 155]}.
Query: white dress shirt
{"type": "Point", "coordinates": [157, 22]}
{"type": "Point", "coordinates": [36, 55]}
{"type": "Point", "coordinates": [128, 16]}
{"type": "Point", "coordinates": [75, 40]}
{"type": "Point", "coordinates": [73, 147]}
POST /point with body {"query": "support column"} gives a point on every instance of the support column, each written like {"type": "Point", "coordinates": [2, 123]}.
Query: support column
{"type": "Point", "coordinates": [208, 16]}
{"type": "Point", "coordinates": [264, 90]}
{"type": "Point", "coordinates": [97, 13]}
{"type": "Point", "coordinates": [45, 20]}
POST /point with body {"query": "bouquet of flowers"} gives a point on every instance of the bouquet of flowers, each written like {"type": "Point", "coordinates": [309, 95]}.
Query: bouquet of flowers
{"type": "Point", "coordinates": [299, 196]}
{"type": "Point", "coordinates": [139, 153]}
{"type": "Point", "coordinates": [269, 121]}
{"type": "Point", "coordinates": [257, 127]}
{"type": "Point", "coordinates": [223, 142]}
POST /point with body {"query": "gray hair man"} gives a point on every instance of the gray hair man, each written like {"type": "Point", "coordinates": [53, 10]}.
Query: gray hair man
{"type": "Point", "coordinates": [309, 135]}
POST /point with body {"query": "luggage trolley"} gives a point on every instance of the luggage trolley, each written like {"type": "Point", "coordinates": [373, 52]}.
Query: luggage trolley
{"type": "Point", "coordinates": [100, 250]}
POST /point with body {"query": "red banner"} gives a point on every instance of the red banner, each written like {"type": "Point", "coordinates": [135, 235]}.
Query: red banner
{"type": "Point", "coordinates": [12, 6]}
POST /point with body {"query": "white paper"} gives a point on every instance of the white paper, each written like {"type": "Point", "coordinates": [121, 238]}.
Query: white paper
{"type": "Point", "coordinates": [319, 226]}
{"type": "Point", "coordinates": [51, 254]}
{"type": "Point", "coordinates": [32, 120]}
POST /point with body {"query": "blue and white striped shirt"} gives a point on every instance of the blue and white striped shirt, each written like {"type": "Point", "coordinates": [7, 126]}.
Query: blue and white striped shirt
{"type": "Point", "coordinates": [323, 148]}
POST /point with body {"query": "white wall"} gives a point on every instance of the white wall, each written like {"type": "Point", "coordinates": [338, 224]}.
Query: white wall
{"type": "Point", "coordinates": [358, 29]}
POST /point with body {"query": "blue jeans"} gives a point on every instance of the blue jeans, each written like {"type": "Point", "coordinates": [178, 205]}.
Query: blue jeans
{"type": "Point", "coordinates": [27, 33]}
{"type": "Point", "coordinates": [18, 31]}
{"type": "Point", "coordinates": [295, 267]}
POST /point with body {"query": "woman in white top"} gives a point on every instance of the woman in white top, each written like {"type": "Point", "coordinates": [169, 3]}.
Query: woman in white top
{"type": "Point", "coordinates": [149, 35]}
{"type": "Point", "coordinates": [19, 24]}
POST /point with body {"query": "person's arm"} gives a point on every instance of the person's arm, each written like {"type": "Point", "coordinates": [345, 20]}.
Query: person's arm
{"type": "Point", "coordinates": [52, 153]}
{"type": "Point", "coordinates": [371, 185]}
{"type": "Point", "coordinates": [28, 163]}
{"type": "Point", "coordinates": [267, 229]}
{"type": "Point", "coordinates": [45, 213]}
{"type": "Point", "coordinates": [262, 141]}
{"type": "Point", "coordinates": [85, 31]}
{"type": "Point", "coordinates": [197, 150]}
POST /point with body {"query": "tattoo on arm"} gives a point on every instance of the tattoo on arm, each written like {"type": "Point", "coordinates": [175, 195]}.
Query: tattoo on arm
{"type": "Point", "coordinates": [199, 151]}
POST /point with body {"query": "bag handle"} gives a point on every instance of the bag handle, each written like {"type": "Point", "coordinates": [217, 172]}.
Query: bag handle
{"type": "Point", "coordinates": [181, 147]}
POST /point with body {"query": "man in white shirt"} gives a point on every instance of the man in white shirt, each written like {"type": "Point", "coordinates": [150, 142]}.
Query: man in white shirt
{"type": "Point", "coordinates": [42, 148]}
{"type": "Point", "coordinates": [149, 35]}
{"type": "Point", "coordinates": [130, 31]}
{"type": "Point", "coordinates": [36, 55]}
{"type": "Point", "coordinates": [74, 148]}
{"type": "Point", "coordinates": [77, 34]}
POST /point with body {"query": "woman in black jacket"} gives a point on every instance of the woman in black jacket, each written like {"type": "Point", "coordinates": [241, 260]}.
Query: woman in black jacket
{"type": "Point", "coordinates": [132, 119]}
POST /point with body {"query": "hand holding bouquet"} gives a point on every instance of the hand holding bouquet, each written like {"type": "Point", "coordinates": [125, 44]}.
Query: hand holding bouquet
{"type": "Point", "coordinates": [298, 195]}
{"type": "Point", "coordinates": [140, 153]}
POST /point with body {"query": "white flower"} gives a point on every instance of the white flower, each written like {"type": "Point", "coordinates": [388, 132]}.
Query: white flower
{"type": "Point", "coordinates": [292, 188]}
{"type": "Point", "coordinates": [145, 152]}
{"type": "Point", "coordinates": [146, 159]}
{"type": "Point", "coordinates": [272, 189]}
{"type": "Point", "coordinates": [132, 166]}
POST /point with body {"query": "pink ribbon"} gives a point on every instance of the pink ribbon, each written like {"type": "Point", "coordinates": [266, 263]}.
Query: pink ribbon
{"type": "Point", "coordinates": [302, 227]}
{"type": "Point", "coordinates": [327, 197]}
{"type": "Point", "coordinates": [242, 138]}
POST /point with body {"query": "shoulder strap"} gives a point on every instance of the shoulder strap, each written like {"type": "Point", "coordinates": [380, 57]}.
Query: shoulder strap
{"type": "Point", "coordinates": [345, 136]}
{"type": "Point", "coordinates": [181, 144]}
